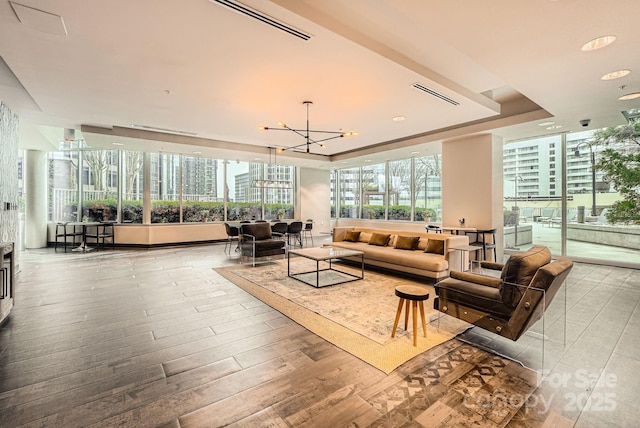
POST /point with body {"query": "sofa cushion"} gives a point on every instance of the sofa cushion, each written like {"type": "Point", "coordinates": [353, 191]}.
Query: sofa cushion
{"type": "Point", "coordinates": [520, 269]}
{"type": "Point", "coordinates": [364, 237]}
{"type": "Point", "coordinates": [406, 242]}
{"type": "Point", "coordinates": [352, 236]}
{"type": "Point", "coordinates": [380, 239]}
{"type": "Point", "coordinates": [435, 246]}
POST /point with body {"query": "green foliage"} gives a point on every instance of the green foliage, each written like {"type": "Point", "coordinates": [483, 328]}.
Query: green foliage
{"type": "Point", "coordinates": [509, 218]}
{"type": "Point", "coordinates": [428, 213]}
{"type": "Point", "coordinates": [373, 212]}
{"type": "Point", "coordinates": [620, 161]}
{"type": "Point", "coordinates": [399, 212]}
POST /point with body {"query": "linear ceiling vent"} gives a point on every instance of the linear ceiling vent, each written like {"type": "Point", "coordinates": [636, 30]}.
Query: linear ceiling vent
{"type": "Point", "coordinates": [423, 88]}
{"type": "Point", "coordinates": [245, 10]}
{"type": "Point", "coordinates": [157, 129]}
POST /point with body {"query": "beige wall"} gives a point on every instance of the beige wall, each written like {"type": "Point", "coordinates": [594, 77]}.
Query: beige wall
{"type": "Point", "coordinates": [472, 183]}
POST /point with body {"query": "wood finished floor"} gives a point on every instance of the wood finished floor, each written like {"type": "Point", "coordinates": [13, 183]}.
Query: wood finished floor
{"type": "Point", "coordinates": [157, 338]}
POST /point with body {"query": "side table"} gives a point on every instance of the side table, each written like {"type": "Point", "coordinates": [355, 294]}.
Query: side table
{"type": "Point", "coordinates": [467, 260]}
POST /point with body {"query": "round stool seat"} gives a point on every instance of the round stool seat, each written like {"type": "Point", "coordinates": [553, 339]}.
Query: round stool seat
{"type": "Point", "coordinates": [412, 292]}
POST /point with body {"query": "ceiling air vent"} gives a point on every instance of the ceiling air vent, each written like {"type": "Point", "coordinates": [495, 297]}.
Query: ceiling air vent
{"type": "Point", "coordinates": [245, 10]}
{"type": "Point", "coordinates": [423, 88]}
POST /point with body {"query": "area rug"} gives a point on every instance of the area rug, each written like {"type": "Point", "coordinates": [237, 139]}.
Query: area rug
{"type": "Point", "coordinates": [356, 316]}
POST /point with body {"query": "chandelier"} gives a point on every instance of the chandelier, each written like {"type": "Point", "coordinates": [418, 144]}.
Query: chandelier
{"type": "Point", "coordinates": [272, 175]}
{"type": "Point", "coordinates": [322, 136]}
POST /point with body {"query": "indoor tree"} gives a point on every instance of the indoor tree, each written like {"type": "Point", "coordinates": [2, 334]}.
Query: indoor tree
{"type": "Point", "coordinates": [620, 162]}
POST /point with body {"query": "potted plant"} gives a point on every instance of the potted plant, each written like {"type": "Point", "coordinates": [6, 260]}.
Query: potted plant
{"type": "Point", "coordinates": [429, 214]}
{"type": "Point", "coordinates": [280, 213]}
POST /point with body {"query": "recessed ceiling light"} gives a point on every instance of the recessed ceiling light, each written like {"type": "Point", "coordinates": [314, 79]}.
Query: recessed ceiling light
{"type": "Point", "coordinates": [197, 153]}
{"type": "Point", "coordinates": [117, 144]}
{"type": "Point", "coordinates": [547, 123]}
{"type": "Point", "coordinates": [554, 127]}
{"type": "Point", "coordinates": [631, 96]}
{"type": "Point", "coordinates": [367, 160]}
{"type": "Point", "coordinates": [598, 43]}
{"type": "Point", "coordinates": [257, 159]}
{"type": "Point", "coordinates": [415, 153]}
{"type": "Point", "coordinates": [398, 118]}
{"type": "Point", "coordinates": [615, 74]}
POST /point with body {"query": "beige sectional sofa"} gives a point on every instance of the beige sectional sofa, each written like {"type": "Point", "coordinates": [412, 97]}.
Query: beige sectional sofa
{"type": "Point", "coordinates": [400, 256]}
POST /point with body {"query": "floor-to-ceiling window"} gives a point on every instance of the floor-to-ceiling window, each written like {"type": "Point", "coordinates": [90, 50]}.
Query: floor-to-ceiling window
{"type": "Point", "coordinates": [63, 186]}
{"type": "Point", "coordinates": [374, 194]}
{"type": "Point", "coordinates": [348, 191]}
{"type": "Point", "coordinates": [131, 178]}
{"type": "Point", "coordinates": [427, 188]}
{"type": "Point", "coordinates": [86, 184]}
{"type": "Point", "coordinates": [245, 196]}
{"type": "Point", "coordinates": [537, 209]}
{"type": "Point", "coordinates": [165, 188]}
{"type": "Point", "coordinates": [400, 189]}
{"type": "Point", "coordinates": [405, 189]}
{"type": "Point", "coordinates": [200, 200]}
{"type": "Point", "coordinates": [99, 185]}
{"type": "Point", "coordinates": [278, 191]}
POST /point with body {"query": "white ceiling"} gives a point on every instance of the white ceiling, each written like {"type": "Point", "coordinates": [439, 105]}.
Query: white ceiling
{"type": "Point", "coordinates": [198, 67]}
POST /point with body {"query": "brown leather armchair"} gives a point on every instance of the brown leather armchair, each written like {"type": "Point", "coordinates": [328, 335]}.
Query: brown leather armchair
{"type": "Point", "coordinates": [509, 305]}
{"type": "Point", "coordinates": [257, 240]}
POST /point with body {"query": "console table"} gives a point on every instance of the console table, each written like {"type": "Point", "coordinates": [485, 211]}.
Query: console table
{"type": "Point", "coordinates": [7, 278]}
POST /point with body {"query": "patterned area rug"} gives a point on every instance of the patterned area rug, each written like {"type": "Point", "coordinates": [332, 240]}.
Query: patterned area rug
{"type": "Point", "coordinates": [357, 316]}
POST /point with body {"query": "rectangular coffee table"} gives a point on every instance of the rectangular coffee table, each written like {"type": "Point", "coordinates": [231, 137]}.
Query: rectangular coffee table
{"type": "Point", "coordinates": [327, 255]}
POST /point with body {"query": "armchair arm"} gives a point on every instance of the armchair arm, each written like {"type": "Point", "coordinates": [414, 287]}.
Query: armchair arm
{"type": "Point", "coordinates": [492, 265]}
{"type": "Point", "coordinates": [488, 281]}
{"type": "Point", "coordinates": [242, 235]}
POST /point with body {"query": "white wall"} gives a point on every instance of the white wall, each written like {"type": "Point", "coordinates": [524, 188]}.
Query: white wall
{"type": "Point", "coordinates": [314, 198]}
{"type": "Point", "coordinates": [36, 200]}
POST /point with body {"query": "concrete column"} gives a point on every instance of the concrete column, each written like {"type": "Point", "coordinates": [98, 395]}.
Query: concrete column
{"type": "Point", "coordinates": [36, 199]}
{"type": "Point", "coordinates": [472, 184]}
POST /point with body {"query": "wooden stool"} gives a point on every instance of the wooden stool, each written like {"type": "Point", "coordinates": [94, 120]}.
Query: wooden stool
{"type": "Point", "coordinates": [417, 295]}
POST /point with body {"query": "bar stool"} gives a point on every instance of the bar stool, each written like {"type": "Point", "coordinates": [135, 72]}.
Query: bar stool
{"type": "Point", "coordinates": [416, 295]}
{"type": "Point", "coordinates": [65, 230]}
{"type": "Point", "coordinates": [306, 232]}
{"type": "Point", "coordinates": [103, 231]}
{"type": "Point", "coordinates": [485, 238]}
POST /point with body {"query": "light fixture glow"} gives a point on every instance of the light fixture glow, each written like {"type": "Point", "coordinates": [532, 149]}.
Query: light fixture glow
{"type": "Point", "coordinates": [398, 118]}
{"type": "Point", "coordinates": [552, 127]}
{"type": "Point", "coordinates": [117, 144]}
{"type": "Point", "coordinates": [272, 181]}
{"type": "Point", "coordinates": [306, 133]}
{"type": "Point", "coordinates": [615, 74]}
{"type": "Point", "coordinates": [547, 123]}
{"type": "Point", "coordinates": [631, 96]}
{"type": "Point", "coordinates": [598, 43]}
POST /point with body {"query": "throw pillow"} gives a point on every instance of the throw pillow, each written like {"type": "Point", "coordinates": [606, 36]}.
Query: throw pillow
{"type": "Point", "coordinates": [379, 239]}
{"type": "Point", "coordinates": [435, 246]}
{"type": "Point", "coordinates": [407, 242]}
{"type": "Point", "coordinates": [352, 236]}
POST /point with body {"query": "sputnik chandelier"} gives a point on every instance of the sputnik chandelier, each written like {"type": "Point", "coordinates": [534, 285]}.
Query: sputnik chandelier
{"type": "Point", "coordinates": [323, 136]}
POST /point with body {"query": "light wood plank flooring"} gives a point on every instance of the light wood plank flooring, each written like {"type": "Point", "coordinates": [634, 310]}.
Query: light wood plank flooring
{"type": "Point", "coordinates": [156, 338]}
